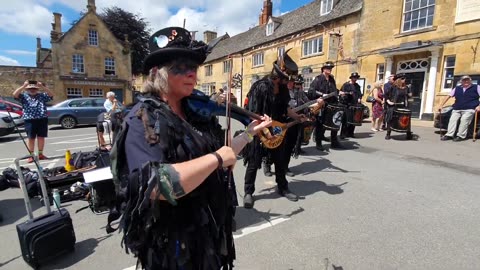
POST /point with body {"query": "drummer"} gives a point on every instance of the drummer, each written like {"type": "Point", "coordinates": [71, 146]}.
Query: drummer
{"type": "Point", "coordinates": [324, 84]}
{"type": "Point", "coordinates": [350, 95]}
{"type": "Point", "coordinates": [397, 98]}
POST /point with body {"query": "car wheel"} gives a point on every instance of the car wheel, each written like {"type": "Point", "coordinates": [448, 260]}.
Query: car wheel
{"type": "Point", "coordinates": [68, 122]}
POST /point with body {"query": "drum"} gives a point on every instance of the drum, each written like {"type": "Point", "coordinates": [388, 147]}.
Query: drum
{"type": "Point", "coordinates": [355, 115]}
{"type": "Point", "coordinates": [401, 120]}
{"type": "Point", "coordinates": [307, 132]}
{"type": "Point", "coordinates": [333, 116]}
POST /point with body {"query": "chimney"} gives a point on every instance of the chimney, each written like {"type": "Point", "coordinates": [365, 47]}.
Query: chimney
{"type": "Point", "coordinates": [56, 27]}
{"type": "Point", "coordinates": [209, 36]}
{"type": "Point", "coordinates": [91, 6]}
{"type": "Point", "coordinates": [266, 12]}
{"type": "Point", "coordinates": [39, 43]}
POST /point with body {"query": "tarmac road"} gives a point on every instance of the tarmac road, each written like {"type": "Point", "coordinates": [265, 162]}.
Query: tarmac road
{"type": "Point", "coordinates": [379, 205]}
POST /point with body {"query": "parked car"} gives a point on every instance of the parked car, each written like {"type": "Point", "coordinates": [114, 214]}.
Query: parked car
{"type": "Point", "coordinates": [10, 99]}
{"type": "Point", "coordinates": [441, 121]}
{"type": "Point", "coordinates": [7, 106]}
{"type": "Point", "coordinates": [77, 111]}
{"type": "Point", "coordinates": [6, 124]}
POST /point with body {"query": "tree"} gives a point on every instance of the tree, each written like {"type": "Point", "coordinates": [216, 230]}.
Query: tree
{"type": "Point", "coordinates": [121, 23]}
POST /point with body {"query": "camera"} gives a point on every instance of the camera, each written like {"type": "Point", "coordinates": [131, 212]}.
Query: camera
{"type": "Point", "coordinates": [32, 82]}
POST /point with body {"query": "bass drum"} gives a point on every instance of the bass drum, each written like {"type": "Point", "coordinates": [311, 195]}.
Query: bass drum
{"type": "Point", "coordinates": [355, 115]}
{"type": "Point", "coordinates": [333, 116]}
{"type": "Point", "coordinates": [401, 120]}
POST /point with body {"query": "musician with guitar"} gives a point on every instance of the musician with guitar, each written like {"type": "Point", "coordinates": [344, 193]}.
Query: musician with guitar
{"type": "Point", "coordinates": [295, 133]}
{"type": "Point", "coordinates": [270, 96]}
{"type": "Point", "coordinates": [324, 84]}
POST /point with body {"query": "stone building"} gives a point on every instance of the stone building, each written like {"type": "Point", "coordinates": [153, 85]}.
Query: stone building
{"type": "Point", "coordinates": [88, 60]}
{"type": "Point", "coordinates": [314, 33]}
{"type": "Point", "coordinates": [433, 42]}
{"type": "Point", "coordinates": [85, 61]}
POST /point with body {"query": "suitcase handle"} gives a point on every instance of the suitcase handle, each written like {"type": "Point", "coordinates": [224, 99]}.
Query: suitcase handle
{"type": "Point", "coordinates": [41, 179]}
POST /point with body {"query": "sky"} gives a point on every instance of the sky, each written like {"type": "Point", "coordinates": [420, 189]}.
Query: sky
{"type": "Point", "coordinates": [22, 21]}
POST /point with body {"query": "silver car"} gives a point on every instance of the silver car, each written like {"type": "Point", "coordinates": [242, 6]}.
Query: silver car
{"type": "Point", "coordinates": [77, 111]}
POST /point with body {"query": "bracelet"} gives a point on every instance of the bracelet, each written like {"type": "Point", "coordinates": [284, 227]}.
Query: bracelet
{"type": "Point", "coordinates": [250, 136]}
{"type": "Point", "coordinates": [220, 160]}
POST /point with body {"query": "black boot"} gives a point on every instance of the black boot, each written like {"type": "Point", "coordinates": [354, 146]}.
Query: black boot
{"type": "Point", "coordinates": [409, 136]}
{"type": "Point", "coordinates": [248, 201]}
{"type": "Point", "coordinates": [319, 146]}
{"type": "Point", "coordinates": [336, 145]}
{"type": "Point", "coordinates": [289, 173]}
{"type": "Point", "coordinates": [267, 169]}
{"type": "Point", "coordinates": [288, 194]}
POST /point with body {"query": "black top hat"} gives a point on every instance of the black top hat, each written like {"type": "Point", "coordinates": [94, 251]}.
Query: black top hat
{"type": "Point", "coordinates": [285, 66]}
{"type": "Point", "coordinates": [299, 79]}
{"type": "Point", "coordinates": [171, 43]}
{"type": "Point", "coordinates": [354, 75]}
{"type": "Point", "coordinates": [399, 76]}
{"type": "Point", "coordinates": [328, 65]}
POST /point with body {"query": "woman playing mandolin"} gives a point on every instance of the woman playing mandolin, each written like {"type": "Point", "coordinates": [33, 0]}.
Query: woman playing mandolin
{"type": "Point", "coordinates": [180, 208]}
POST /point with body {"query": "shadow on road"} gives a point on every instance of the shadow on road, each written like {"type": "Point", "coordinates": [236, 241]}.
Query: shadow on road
{"type": "Point", "coordinates": [9, 261]}
{"type": "Point", "coordinates": [83, 249]}
{"type": "Point", "coordinates": [247, 217]}
{"type": "Point", "coordinates": [315, 166]}
{"type": "Point", "coordinates": [13, 210]}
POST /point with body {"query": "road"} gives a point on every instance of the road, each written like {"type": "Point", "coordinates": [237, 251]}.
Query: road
{"type": "Point", "coordinates": [378, 205]}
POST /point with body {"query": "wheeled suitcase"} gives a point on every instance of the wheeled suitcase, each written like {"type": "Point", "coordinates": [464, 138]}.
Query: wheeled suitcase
{"type": "Point", "coordinates": [47, 236]}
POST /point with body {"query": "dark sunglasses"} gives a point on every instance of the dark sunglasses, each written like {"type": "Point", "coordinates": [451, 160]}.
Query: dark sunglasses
{"type": "Point", "coordinates": [183, 68]}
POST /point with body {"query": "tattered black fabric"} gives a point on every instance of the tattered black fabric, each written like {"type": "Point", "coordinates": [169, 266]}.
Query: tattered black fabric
{"type": "Point", "coordinates": [196, 233]}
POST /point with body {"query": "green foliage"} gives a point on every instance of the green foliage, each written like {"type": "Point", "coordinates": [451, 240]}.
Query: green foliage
{"type": "Point", "coordinates": [121, 23]}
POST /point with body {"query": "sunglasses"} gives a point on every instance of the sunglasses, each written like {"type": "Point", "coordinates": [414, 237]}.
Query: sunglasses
{"type": "Point", "coordinates": [183, 68]}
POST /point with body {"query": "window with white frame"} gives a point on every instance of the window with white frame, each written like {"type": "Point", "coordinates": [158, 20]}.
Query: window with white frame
{"type": "Point", "coordinates": [208, 70]}
{"type": "Point", "coordinates": [326, 6]}
{"type": "Point", "coordinates": [313, 46]}
{"type": "Point", "coordinates": [270, 28]}
{"type": "Point", "coordinates": [227, 66]}
{"type": "Point", "coordinates": [257, 59]}
{"type": "Point", "coordinates": [95, 92]}
{"type": "Point", "coordinates": [448, 72]}
{"type": "Point", "coordinates": [77, 63]}
{"type": "Point", "coordinates": [109, 66]}
{"type": "Point", "coordinates": [280, 51]}
{"type": "Point", "coordinates": [92, 37]}
{"type": "Point", "coordinates": [204, 88]}
{"type": "Point", "coordinates": [74, 93]}
{"type": "Point", "coordinates": [306, 83]}
{"type": "Point", "coordinates": [418, 14]}
{"type": "Point", "coordinates": [380, 72]}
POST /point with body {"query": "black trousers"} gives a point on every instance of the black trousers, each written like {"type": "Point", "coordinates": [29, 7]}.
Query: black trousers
{"type": "Point", "coordinates": [291, 139]}
{"type": "Point", "coordinates": [278, 157]}
{"type": "Point", "coordinates": [320, 130]}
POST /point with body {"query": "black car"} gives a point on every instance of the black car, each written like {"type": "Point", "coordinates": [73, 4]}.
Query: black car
{"type": "Point", "coordinates": [441, 121]}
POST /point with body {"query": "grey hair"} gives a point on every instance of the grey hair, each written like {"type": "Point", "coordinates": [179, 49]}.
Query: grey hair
{"type": "Point", "coordinates": [110, 94]}
{"type": "Point", "coordinates": [157, 82]}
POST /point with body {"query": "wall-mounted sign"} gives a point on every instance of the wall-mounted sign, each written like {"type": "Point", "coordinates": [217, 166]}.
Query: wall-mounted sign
{"type": "Point", "coordinates": [467, 10]}
{"type": "Point", "coordinates": [98, 83]}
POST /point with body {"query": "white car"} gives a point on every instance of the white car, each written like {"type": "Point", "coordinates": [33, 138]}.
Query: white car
{"type": "Point", "coordinates": [7, 124]}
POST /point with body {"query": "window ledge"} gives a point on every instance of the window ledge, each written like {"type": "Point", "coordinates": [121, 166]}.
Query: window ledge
{"type": "Point", "coordinates": [258, 66]}
{"type": "Point", "coordinates": [312, 55]}
{"type": "Point", "coordinates": [414, 32]}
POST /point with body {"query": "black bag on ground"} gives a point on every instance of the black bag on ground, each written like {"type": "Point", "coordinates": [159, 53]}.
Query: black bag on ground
{"type": "Point", "coordinates": [46, 237]}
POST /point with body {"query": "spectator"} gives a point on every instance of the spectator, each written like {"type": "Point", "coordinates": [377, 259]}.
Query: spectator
{"type": "Point", "coordinates": [34, 105]}
{"type": "Point", "coordinates": [108, 120]}
{"type": "Point", "coordinates": [377, 106]}
{"type": "Point", "coordinates": [466, 104]}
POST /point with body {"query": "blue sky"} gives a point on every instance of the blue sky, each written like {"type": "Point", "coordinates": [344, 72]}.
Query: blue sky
{"type": "Point", "coordinates": [21, 21]}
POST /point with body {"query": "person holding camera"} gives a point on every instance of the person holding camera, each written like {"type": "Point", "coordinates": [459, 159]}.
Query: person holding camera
{"type": "Point", "coordinates": [34, 96]}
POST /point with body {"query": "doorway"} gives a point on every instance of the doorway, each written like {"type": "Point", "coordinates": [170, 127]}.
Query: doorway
{"type": "Point", "coordinates": [416, 81]}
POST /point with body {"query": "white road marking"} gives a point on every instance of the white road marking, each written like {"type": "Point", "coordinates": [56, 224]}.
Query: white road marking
{"type": "Point", "coordinates": [44, 164]}
{"type": "Point", "coordinates": [53, 138]}
{"type": "Point", "coordinates": [69, 142]}
{"type": "Point", "coordinates": [246, 231]}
